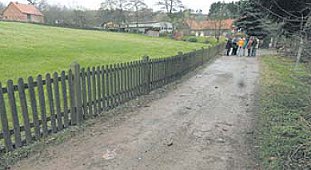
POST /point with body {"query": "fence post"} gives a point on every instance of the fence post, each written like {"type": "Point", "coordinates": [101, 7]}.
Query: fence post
{"type": "Point", "coordinates": [194, 59]}
{"type": "Point", "coordinates": [203, 53]}
{"type": "Point", "coordinates": [146, 74]}
{"type": "Point", "coordinates": [77, 97]}
{"type": "Point", "coordinates": [180, 63]}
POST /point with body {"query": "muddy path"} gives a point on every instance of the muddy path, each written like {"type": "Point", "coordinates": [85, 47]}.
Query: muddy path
{"type": "Point", "coordinates": [203, 123]}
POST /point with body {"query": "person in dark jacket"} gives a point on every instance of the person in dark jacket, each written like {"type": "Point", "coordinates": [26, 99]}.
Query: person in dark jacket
{"type": "Point", "coordinates": [234, 46]}
{"type": "Point", "coordinates": [228, 46]}
{"type": "Point", "coordinates": [249, 46]}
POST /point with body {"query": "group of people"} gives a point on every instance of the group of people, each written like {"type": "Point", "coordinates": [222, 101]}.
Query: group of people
{"type": "Point", "coordinates": [239, 45]}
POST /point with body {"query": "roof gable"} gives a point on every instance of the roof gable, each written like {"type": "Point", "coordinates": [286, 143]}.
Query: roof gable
{"type": "Point", "coordinates": [26, 9]}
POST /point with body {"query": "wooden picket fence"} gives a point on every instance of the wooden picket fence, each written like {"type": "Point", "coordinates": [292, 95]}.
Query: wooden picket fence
{"type": "Point", "coordinates": [42, 106]}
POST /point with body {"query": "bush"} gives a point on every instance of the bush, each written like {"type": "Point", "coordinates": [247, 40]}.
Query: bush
{"type": "Point", "coordinates": [192, 39]}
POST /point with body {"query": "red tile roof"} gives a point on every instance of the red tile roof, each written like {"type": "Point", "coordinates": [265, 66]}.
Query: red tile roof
{"type": "Point", "coordinates": [210, 24]}
{"type": "Point", "coordinates": [27, 9]}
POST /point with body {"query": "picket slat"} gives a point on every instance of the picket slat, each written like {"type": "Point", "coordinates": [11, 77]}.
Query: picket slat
{"type": "Point", "coordinates": [108, 87]}
{"type": "Point", "coordinates": [16, 124]}
{"type": "Point", "coordinates": [117, 76]}
{"type": "Point", "coordinates": [24, 109]}
{"type": "Point", "coordinates": [94, 91]}
{"type": "Point", "coordinates": [5, 123]}
{"type": "Point", "coordinates": [122, 83]}
{"type": "Point", "coordinates": [51, 102]}
{"type": "Point", "coordinates": [139, 83]}
{"type": "Point", "coordinates": [103, 72]}
{"type": "Point", "coordinates": [89, 91]}
{"type": "Point", "coordinates": [115, 86]}
{"type": "Point", "coordinates": [99, 97]}
{"type": "Point", "coordinates": [42, 105]}
{"type": "Point", "coordinates": [136, 79]}
{"type": "Point", "coordinates": [34, 107]}
{"type": "Point", "coordinates": [84, 94]}
{"type": "Point", "coordinates": [111, 95]}
{"type": "Point", "coordinates": [127, 81]}
{"type": "Point", "coordinates": [118, 85]}
{"type": "Point", "coordinates": [131, 80]}
{"type": "Point", "coordinates": [65, 99]}
{"type": "Point", "coordinates": [57, 102]}
{"type": "Point", "coordinates": [73, 113]}
{"type": "Point", "coordinates": [78, 95]}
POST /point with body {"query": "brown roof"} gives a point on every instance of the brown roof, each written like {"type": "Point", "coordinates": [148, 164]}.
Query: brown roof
{"type": "Point", "coordinates": [210, 24]}
{"type": "Point", "coordinates": [27, 9]}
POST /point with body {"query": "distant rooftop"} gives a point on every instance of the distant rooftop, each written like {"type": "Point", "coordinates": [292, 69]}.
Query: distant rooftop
{"type": "Point", "coordinates": [27, 8]}
{"type": "Point", "coordinates": [210, 24]}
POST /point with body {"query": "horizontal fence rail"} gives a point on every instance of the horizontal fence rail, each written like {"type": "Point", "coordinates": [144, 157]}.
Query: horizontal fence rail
{"type": "Point", "coordinates": [39, 106]}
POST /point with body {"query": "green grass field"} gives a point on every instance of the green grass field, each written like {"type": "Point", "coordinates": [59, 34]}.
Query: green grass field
{"type": "Point", "coordinates": [29, 50]}
{"type": "Point", "coordinates": [284, 120]}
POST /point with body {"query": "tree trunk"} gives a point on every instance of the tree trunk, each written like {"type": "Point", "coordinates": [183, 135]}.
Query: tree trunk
{"type": "Point", "coordinates": [300, 50]}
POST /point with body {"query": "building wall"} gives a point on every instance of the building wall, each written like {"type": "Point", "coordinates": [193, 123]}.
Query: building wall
{"type": "Point", "coordinates": [37, 19]}
{"type": "Point", "coordinates": [151, 33]}
{"type": "Point", "coordinates": [13, 14]}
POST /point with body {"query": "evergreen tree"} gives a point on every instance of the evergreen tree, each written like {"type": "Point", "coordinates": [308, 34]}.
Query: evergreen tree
{"type": "Point", "coordinates": [232, 9]}
{"type": "Point", "coordinates": [292, 14]}
{"type": "Point", "coordinates": [252, 20]}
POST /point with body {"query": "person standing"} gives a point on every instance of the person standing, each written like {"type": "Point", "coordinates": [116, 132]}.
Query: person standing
{"type": "Point", "coordinates": [234, 46]}
{"type": "Point", "coordinates": [241, 43]}
{"type": "Point", "coordinates": [249, 46]}
{"type": "Point", "coordinates": [255, 46]}
{"type": "Point", "coordinates": [245, 45]}
{"type": "Point", "coordinates": [229, 46]}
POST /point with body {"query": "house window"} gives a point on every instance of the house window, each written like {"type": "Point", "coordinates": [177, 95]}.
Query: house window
{"type": "Point", "coordinates": [28, 17]}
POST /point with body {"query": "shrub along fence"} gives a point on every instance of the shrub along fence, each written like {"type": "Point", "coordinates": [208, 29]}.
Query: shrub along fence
{"type": "Point", "coordinates": [34, 109]}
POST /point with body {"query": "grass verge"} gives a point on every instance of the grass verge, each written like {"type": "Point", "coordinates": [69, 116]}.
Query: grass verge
{"type": "Point", "coordinates": [285, 115]}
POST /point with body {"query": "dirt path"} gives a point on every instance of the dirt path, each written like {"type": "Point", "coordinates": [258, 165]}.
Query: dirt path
{"type": "Point", "coordinates": [202, 124]}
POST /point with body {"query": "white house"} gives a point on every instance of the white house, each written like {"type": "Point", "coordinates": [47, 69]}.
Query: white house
{"type": "Point", "coordinates": [161, 27]}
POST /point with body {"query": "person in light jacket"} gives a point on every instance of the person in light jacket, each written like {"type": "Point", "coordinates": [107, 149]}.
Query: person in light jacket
{"type": "Point", "coordinates": [241, 43]}
{"type": "Point", "coordinates": [255, 46]}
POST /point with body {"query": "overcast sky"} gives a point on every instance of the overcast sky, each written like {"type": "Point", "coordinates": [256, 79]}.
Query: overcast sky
{"type": "Point", "coordinates": [94, 4]}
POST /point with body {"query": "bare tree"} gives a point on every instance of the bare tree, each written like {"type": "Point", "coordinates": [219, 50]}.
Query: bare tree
{"type": "Point", "coordinates": [120, 8]}
{"type": "Point", "coordinates": [170, 6]}
{"type": "Point", "coordinates": [43, 5]}
{"type": "Point", "coordinates": [32, 2]}
{"type": "Point", "coordinates": [304, 26]}
{"type": "Point", "coordinates": [79, 17]}
{"type": "Point", "coordinates": [108, 5]}
{"type": "Point", "coordinates": [173, 9]}
{"type": "Point", "coordinates": [219, 18]}
{"type": "Point", "coordinates": [136, 6]}
{"type": "Point", "coordinates": [1, 6]}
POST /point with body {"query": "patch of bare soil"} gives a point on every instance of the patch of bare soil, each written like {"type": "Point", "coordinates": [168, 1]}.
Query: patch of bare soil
{"type": "Point", "coordinates": [203, 123]}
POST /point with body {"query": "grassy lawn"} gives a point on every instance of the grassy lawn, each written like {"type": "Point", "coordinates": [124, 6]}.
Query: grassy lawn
{"type": "Point", "coordinates": [29, 50]}
{"type": "Point", "coordinates": [285, 119]}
